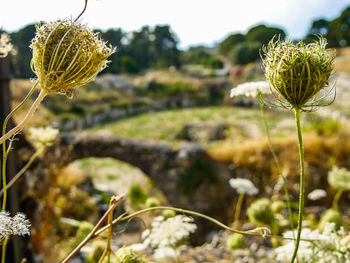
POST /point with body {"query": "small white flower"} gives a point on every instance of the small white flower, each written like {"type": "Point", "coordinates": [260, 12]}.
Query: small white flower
{"type": "Point", "coordinates": [166, 234]}
{"type": "Point", "coordinates": [243, 186]}
{"type": "Point", "coordinates": [43, 136]}
{"type": "Point", "coordinates": [339, 178]}
{"type": "Point", "coordinates": [317, 194]}
{"type": "Point", "coordinates": [164, 253]}
{"type": "Point", "coordinates": [5, 45]}
{"type": "Point", "coordinates": [330, 246]}
{"type": "Point", "coordinates": [17, 225]}
{"type": "Point", "coordinates": [251, 89]}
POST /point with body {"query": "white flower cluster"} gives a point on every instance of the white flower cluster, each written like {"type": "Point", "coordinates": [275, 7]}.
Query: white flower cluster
{"type": "Point", "coordinates": [339, 178]}
{"type": "Point", "coordinates": [5, 45]}
{"type": "Point", "coordinates": [166, 234]}
{"type": "Point", "coordinates": [17, 225]}
{"type": "Point", "coordinates": [251, 89]}
{"type": "Point", "coordinates": [331, 246]}
{"type": "Point", "coordinates": [317, 194]}
{"type": "Point", "coordinates": [43, 136]}
{"type": "Point", "coordinates": [243, 186]}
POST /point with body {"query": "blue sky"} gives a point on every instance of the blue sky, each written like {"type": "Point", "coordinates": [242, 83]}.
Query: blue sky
{"type": "Point", "coordinates": [194, 21]}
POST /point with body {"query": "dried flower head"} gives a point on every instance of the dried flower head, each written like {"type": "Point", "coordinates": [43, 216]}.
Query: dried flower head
{"type": "Point", "coordinates": [243, 186]}
{"type": "Point", "coordinates": [17, 225]}
{"type": "Point", "coordinates": [43, 136]}
{"type": "Point", "coordinates": [297, 72]}
{"type": "Point", "coordinates": [317, 194]}
{"type": "Point", "coordinates": [67, 55]}
{"type": "Point", "coordinates": [251, 89]}
{"type": "Point", "coordinates": [339, 178]}
{"type": "Point", "coordinates": [5, 45]}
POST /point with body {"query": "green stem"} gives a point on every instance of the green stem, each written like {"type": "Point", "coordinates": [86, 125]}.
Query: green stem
{"type": "Point", "coordinates": [25, 168]}
{"type": "Point", "coordinates": [336, 199]}
{"type": "Point", "coordinates": [302, 181]}
{"type": "Point", "coordinates": [253, 232]}
{"type": "Point", "coordinates": [238, 209]}
{"type": "Point", "coordinates": [6, 151]}
{"type": "Point", "coordinates": [277, 162]}
{"type": "Point", "coordinates": [3, 250]}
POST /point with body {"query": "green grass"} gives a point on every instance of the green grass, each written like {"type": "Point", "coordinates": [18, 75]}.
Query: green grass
{"type": "Point", "coordinates": [164, 126]}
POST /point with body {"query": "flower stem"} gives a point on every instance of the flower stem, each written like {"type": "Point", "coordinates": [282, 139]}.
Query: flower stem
{"type": "Point", "coordinates": [336, 199]}
{"type": "Point", "coordinates": [238, 209]}
{"type": "Point", "coordinates": [30, 113]}
{"type": "Point", "coordinates": [25, 168]}
{"type": "Point", "coordinates": [302, 181]}
{"type": "Point", "coordinates": [5, 151]}
{"type": "Point", "coordinates": [3, 250]}
{"type": "Point", "coordinates": [277, 162]}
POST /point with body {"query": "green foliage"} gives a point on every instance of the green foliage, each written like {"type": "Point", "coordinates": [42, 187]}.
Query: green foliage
{"type": "Point", "coordinates": [159, 90]}
{"type": "Point", "coordinates": [229, 42]}
{"type": "Point", "coordinates": [264, 34]}
{"type": "Point", "coordinates": [199, 172]}
{"type": "Point", "coordinates": [260, 212]}
{"type": "Point", "coordinates": [96, 251]}
{"type": "Point", "coordinates": [234, 241]}
{"type": "Point", "coordinates": [213, 63]}
{"type": "Point", "coordinates": [137, 195]}
{"type": "Point", "coordinates": [328, 127]}
{"type": "Point", "coordinates": [129, 65]}
{"type": "Point", "coordinates": [152, 202]}
{"type": "Point", "coordinates": [330, 216]}
{"type": "Point", "coordinates": [128, 255]}
{"type": "Point", "coordinates": [245, 52]}
{"type": "Point", "coordinates": [167, 213]}
{"type": "Point", "coordinates": [278, 206]}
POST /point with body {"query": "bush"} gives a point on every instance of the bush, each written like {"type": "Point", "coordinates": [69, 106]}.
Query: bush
{"type": "Point", "coordinates": [260, 212]}
{"type": "Point", "coordinates": [234, 241]}
{"type": "Point", "coordinates": [129, 65]}
{"type": "Point", "coordinates": [137, 195]}
{"type": "Point", "coordinates": [330, 216]}
{"type": "Point", "coordinates": [245, 52]}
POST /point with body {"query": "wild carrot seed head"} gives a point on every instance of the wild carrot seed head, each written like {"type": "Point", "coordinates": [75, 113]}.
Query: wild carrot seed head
{"type": "Point", "coordinates": [67, 55]}
{"type": "Point", "coordinates": [297, 72]}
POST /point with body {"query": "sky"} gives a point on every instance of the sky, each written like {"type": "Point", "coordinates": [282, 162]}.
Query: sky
{"type": "Point", "coordinates": [193, 21]}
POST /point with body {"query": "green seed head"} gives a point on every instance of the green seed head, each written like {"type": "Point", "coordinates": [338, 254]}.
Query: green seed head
{"type": "Point", "coordinates": [67, 55]}
{"type": "Point", "coordinates": [297, 72]}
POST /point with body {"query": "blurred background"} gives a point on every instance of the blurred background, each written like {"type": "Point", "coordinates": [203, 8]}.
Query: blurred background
{"type": "Point", "coordinates": [158, 123]}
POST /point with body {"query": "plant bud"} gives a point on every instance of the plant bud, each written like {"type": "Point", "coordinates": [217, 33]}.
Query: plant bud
{"type": "Point", "coordinates": [67, 55]}
{"type": "Point", "coordinates": [297, 72]}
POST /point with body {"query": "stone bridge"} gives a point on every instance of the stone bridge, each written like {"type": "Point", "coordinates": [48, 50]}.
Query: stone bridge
{"type": "Point", "coordinates": [186, 175]}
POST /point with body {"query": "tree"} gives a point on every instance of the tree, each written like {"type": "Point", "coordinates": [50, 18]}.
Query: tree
{"type": "Point", "coordinates": [245, 52]}
{"type": "Point", "coordinates": [21, 62]}
{"type": "Point", "coordinates": [164, 46]}
{"type": "Point", "coordinates": [115, 38]}
{"type": "Point", "coordinates": [229, 42]}
{"type": "Point", "coordinates": [264, 34]}
{"type": "Point", "coordinates": [129, 65]}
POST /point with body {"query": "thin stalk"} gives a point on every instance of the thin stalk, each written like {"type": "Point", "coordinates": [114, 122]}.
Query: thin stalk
{"type": "Point", "coordinates": [5, 151]}
{"type": "Point", "coordinates": [94, 230]}
{"type": "Point", "coordinates": [25, 168]}
{"type": "Point", "coordinates": [238, 209]}
{"type": "Point", "coordinates": [3, 250]}
{"type": "Point", "coordinates": [107, 251]}
{"type": "Point", "coordinates": [253, 232]}
{"type": "Point", "coordinates": [302, 182]}
{"type": "Point", "coordinates": [336, 199]}
{"type": "Point", "coordinates": [30, 113]}
{"type": "Point", "coordinates": [277, 162]}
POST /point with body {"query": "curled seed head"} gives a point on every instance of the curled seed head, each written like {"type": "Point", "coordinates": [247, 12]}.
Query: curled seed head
{"type": "Point", "coordinates": [297, 72]}
{"type": "Point", "coordinates": [67, 55]}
